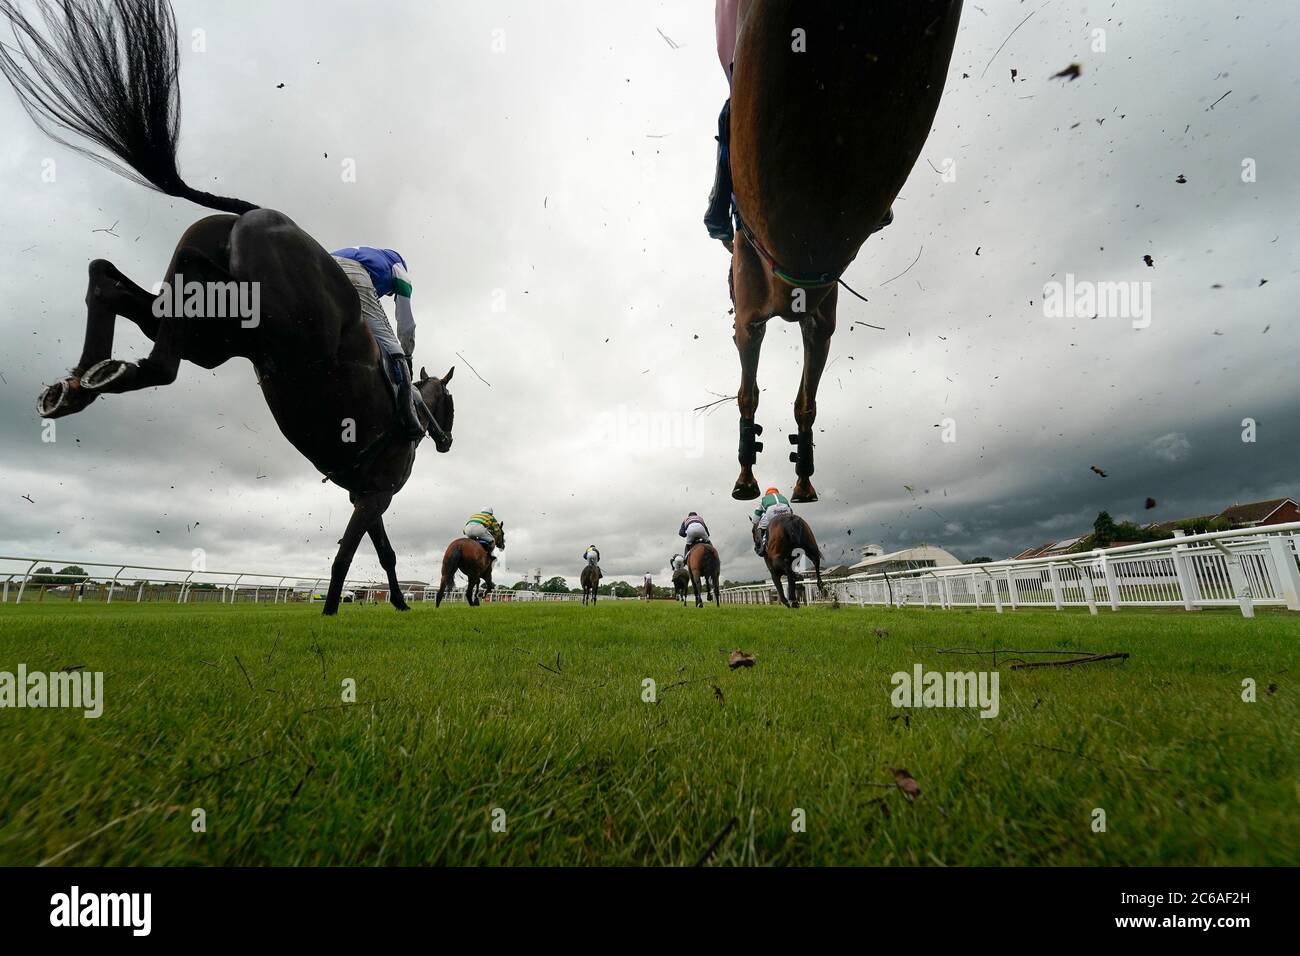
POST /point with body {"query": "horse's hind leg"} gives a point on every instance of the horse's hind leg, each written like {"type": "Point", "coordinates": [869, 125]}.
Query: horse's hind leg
{"type": "Point", "coordinates": [388, 561]}
{"type": "Point", "coordinates": [200, 339]}
{"type": "Point", "coordinates": [108, 294]}
{"type": "Point", "coordinates": [750, 291]}
{"type": "Point", "coordinates": [817, 331]}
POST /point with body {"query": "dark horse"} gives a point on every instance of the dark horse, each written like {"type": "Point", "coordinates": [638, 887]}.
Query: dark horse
{"type": "Point", "coordinates": [703, 562]}
{"type": "Point", "coordinates": [107, 73]}
{"type": "Point", "coordinates": [822, 139]}
{"type": "Point", "coordinates": [474, 561]}
{"type": "Point", "coordinates": [788, 536]}
{"type": "Point", "coordinates": [681, 578]}
{"type": "Point", "coordinates": [590, 579]}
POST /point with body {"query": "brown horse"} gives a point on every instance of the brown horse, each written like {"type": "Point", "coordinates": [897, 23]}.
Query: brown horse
{"type": "Point", "coordinates": [107, 73]}
{"type": "Point", "coordinates": [830, 106]}
{"type": "Point", "coordinates": [590, 579]}
{"type": "Point", "coordinates": [703, 562]}
{"type": "Point", "coordinates": [681, 578]}
{"type": "Point", "coordinates": [472, 560]}
{"type": "Point", "coordinates": [788, 536]}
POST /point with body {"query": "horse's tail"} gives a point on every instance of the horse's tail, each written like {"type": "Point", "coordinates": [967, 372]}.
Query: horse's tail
{"type": "Point", "coordinates": [106, 71]}
{"type": "Point", "coordinates": [450, 565]}
{"type": "Point", "coordinates": [804, 543]}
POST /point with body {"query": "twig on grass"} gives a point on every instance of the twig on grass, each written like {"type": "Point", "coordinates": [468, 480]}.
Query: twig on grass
{"type": "Point", "coordinates": [245, 673]}
{"type": "Point", "coordinates": [717, 841]}
{"type": "Point", "coordinates": [1120, 655]}
{"type": "Point", "coordinates": [1104, 763]}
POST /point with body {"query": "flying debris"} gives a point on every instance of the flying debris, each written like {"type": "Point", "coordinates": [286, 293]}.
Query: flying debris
{"type": "Point", "coordinates": [1099, 471]}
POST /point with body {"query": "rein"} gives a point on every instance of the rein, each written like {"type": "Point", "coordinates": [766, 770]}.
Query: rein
{"type": "Point", "coordinates": [369, 450]}
{"type": "Point", "coordinates": [820, 281]}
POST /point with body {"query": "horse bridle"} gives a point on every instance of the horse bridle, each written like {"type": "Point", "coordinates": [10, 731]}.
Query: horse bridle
{"type": "Point", "coordinates": [820, 281]}
{"type": "Point", "coordinates": [434, 429]}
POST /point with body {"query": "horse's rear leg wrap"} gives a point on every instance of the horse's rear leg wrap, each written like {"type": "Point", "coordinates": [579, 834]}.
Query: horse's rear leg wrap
{"type": "Point", "coordinates": [803, 455]}
{"type": "Point", "coordinates": [749, 445]}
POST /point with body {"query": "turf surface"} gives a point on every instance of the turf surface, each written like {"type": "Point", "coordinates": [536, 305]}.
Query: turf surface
{"type": "Point", "coordinates": [532, 717]}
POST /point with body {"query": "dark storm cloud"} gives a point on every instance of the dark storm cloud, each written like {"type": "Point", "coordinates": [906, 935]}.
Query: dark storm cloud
{"type": "Point", "coordinates": [548, 196]}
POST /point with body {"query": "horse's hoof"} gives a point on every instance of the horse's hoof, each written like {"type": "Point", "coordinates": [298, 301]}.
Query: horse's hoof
{"type": "Point", "coordinates": [330, 611]}
{"type": "Point", "coordinates": [104, 376]}
{"type": "Point", "coordinates": [402, 607]}
{"type": "Point", "coordinates": [803, 491]}
{"type": "Point", "coordinates": [746, 488]}
{"type": "Point", "coordinates": [63, 398]}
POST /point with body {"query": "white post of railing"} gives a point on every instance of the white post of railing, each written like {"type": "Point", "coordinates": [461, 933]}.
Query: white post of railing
{"type": "Point", "coordinates": [1085, 577]}
{"type": "Point", "coordinates": [1011, 590]}
{"type": "Point", "coordinates": [1240, 585]}
{"type": "Point", "coordinates": [23, 587]}
{"type": "Point", "coordinates": [1112, 583]}
{"type": "Point", "coordinates": [1288, 573]}
{"type": "Point", "coordinates": [976, 589]}
{"type": "Point", "coordinates": [139, 594]}
{"type": "Point", "coordinates": [1186, 582]}
{"type": "Point", "coordinates": [1054, 578]}
{"type": "Point", "coordinates": [4, 599]}
{"type": "Point", "coordinates": [997, 594]}
{"type": "Point", "coordinates": [113, 585]}
{"type": "Point", "coordinates": [180, 598]}
{"type": "Point", "coordinates": [234, 588]}
{"type": "Point", "coordinates": [277, 593]}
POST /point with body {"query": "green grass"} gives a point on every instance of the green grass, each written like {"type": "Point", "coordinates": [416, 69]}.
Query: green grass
{"type": "Point", "coordinates": [455, 716]}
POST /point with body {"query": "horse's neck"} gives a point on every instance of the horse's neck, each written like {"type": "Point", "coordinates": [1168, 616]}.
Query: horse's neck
{"type": "Point", "coordinates": [822, 141]}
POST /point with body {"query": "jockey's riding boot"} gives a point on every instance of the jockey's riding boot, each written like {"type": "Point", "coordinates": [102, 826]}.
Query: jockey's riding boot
{"type": "Point", "coordinates": [762, 544]}
{"type": "Point", "coordinates": [404, 395]}
{"type": "Point", "coordinates": [889, 217]}
{"type": "Point", "coordinates": [717, 219]}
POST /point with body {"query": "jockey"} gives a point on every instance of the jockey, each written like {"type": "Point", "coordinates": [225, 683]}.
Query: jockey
{"type": "Point", "coordinates": [375, 273]}
{"type": "Point", "coordinates": [591, 555]}
{"type": "Point", "coordinates": [676, 562]}
{"type": "Point", "coordinates": [727, 15]}
{"type": "Point", "coordinates": [694, 530]}
{"type": "Point", "coordinates": [773, 505]}
{"type": "Point", "coordinates": [483, 528]}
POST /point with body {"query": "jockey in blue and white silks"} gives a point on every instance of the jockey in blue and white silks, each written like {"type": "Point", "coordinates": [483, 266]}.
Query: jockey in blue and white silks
{"type": "Point", "coordinates": [375, 273]}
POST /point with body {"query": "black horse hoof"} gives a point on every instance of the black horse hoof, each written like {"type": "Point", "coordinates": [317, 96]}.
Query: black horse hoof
{"type": "Point", "coordinates": [803, 491]}
{"type": "Point", "coordinates": [106, 375]}
{"type": "Point", "coordinates": [746, 488]}
{"type": "Point", "coordinates": [63, 398]}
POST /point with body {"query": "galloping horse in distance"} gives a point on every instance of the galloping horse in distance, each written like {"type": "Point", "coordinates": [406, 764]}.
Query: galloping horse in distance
{"type": "Point", "coordinates": [681, 578]}
{"type": "Point", "coordinates": [823, 135]}
{"type": "Point", "coordinates": [788, 537]}
{"type": "Point", "coordinates": [107, 73]}
{"type": "Point", "coordinates": [590, 580]}
{"type": "Point", "coordinates": [703, 562]}
{"type": "Point", "coordinates": [473, 560]}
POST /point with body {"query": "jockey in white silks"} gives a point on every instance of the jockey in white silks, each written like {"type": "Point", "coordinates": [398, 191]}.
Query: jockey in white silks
{"type": "Point", "coordinates": [694, 530]}
{"type": "Point", "coordinates": [591, 555]}
{"type": "Point", "coordinates": [375, 273]}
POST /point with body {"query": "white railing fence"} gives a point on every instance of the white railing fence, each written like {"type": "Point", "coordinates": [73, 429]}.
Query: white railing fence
{"type": "Point", "coordinates": [110, 582]}
{"type": "Point", "coordinates": [1246, 568]}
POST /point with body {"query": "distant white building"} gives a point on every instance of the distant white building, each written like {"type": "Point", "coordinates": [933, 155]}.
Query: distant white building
{"type": "Point", "coordinates": [909, 559]}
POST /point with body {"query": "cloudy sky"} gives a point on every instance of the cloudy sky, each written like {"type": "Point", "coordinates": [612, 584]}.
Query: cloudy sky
{"type": "Point", "coordinates": [544, 169]}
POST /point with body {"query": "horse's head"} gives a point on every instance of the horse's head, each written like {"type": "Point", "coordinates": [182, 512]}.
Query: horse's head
{"type": "Point", "coordinates": [501, 534]}
{"type": "Point", "coordinates": [440, 405]}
